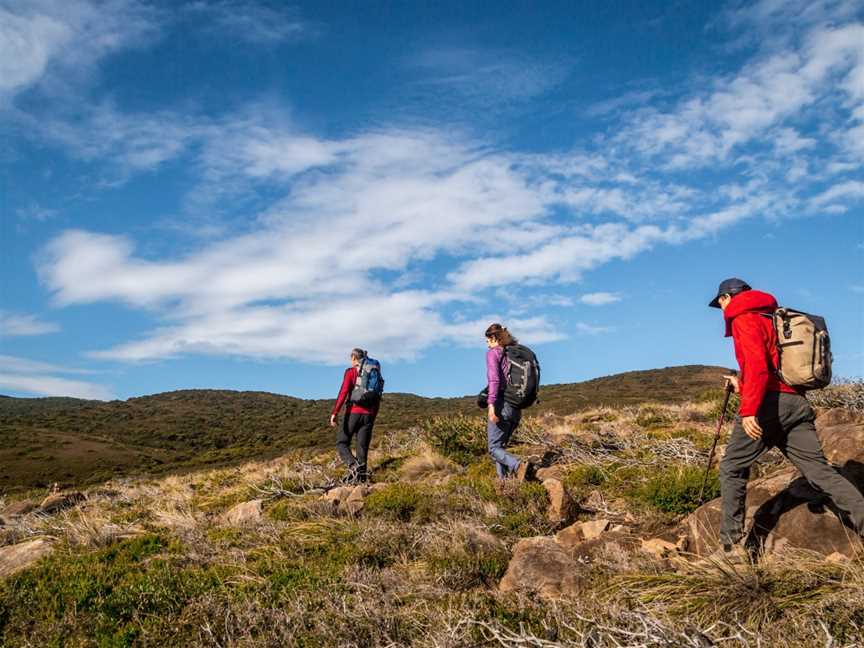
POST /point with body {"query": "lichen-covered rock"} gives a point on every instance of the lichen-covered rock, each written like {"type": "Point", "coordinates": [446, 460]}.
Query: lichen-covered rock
{"type": "Point", "coordinates": [543, 566]}
{"type": "Point", "coordinates": [244, 513]}
{"type": "Point", "coordinates": [350, 500]}
{"type": "Point", "coordinates": [16, 557]}
{"type": "Point", "coordinates": [580, 532]}
{"type": "Point", "coordinates": [550, 472]}
{"type": "Point", "coordinates": [660, 548]}
{"type": "Point", "coordinates": [562, 509]}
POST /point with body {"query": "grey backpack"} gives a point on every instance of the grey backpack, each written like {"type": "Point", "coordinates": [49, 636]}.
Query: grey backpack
{"type": "Point", "coordinates": [804, 349]}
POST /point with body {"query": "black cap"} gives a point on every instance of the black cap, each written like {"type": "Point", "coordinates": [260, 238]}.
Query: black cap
{"type": "Point", "coordinates": [731, 286]}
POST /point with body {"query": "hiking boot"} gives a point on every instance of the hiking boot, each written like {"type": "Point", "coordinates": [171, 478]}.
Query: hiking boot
{"type": "Point", "coordinates": [526, 471]}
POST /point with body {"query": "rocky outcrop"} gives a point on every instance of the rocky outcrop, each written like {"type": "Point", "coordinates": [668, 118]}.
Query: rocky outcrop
{"type": "Point", "coordinates": [17, 557]}
{"type": "Point", "coordinates": [784, 511]}
{"type": "Point", "coordinates": [556, 566]}
{"type": "Point", "coordinates": [244, 513]}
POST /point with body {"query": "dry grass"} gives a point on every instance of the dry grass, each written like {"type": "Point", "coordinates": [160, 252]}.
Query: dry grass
{"type": "Point", "coordinates": [307, 576]}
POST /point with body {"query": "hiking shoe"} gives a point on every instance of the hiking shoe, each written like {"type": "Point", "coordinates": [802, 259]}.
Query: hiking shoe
{"type": "Point", "coordinates": [526, 471]}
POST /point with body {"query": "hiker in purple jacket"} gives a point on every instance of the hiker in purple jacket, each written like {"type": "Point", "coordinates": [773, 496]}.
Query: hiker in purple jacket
{"type": "Point", "coordinates": [503, 417]}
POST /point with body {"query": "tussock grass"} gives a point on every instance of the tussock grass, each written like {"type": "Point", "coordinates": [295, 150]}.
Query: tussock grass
{"type": "Point", "coordinates": [146, 562]}
{"type": "Point", "coordinates": [798, 587]}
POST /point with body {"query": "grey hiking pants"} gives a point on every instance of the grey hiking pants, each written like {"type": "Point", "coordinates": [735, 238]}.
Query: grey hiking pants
{"type": "Point", "coordinates": [498, 436]}
{"type": "Point", "coordinates": [787, 424]}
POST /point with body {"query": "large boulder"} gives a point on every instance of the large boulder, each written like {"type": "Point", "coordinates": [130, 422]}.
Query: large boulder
{"type": "Point", "coordinates": [784, 511]}
{"type": "Point", "coordinates": [556, 566]}
{"type": "Point", "coordinates": [16, 557]}
{"type": "Point", "coordinates": [542, 565]}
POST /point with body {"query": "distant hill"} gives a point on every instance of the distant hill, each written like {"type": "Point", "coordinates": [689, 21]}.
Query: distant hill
{"type": "Point", "coordinates": [71, 441]}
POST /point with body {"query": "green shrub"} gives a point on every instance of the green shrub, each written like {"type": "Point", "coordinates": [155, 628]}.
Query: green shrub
{"type": "Point", "coordinates": [581, 477]}
{"type": "Point", "coordinates": [648, 417]}
{"type": "Point", "coordinates": [460, 438]}
{"type": "Point", "coordinates": [676, 490]}
{"type": "Point", "coordinates": [402, 502]}
{"type": "Point", "coordinates": [110, 597]}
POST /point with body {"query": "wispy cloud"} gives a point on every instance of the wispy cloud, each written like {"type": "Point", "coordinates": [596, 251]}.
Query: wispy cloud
{"type": "Point", "coordinates": [35, 213]}
{"type": "Point", "coordinates": [590, 329]}
{"type": "Point", "coordinates": [22, 324]}
{"type": "Point", "coordinates": [840, 194]}
{"type": "Point", "coordinates": [55, 42]}
{"type": "Point", "coordinates": [254, 22]}
{"type": "Point", "coordinates": [600, 298]}
{"type": "Point", "coordinates": [41, 379]}
{"type": "Point", "coordinates": [487, 76]}
{"type": "Point", "coordinates": [347, 218]}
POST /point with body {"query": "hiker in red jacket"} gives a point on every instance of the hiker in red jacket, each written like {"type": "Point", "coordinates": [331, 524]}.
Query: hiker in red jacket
{"type": "Point", "coordinates": [772, 414]}
{"type": "Point", "coordinates": [358, 421]}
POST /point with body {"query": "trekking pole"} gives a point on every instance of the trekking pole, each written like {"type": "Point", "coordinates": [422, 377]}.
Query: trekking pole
{"type": "Point", "coordinates": [727, 395]}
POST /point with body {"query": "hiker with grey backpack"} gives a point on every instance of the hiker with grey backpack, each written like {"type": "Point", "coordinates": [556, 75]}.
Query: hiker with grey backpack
{"type": "Point", "coordinates": [781, 354]}
{"type": "Point", "coordinates": [513, 377]}
{"type": "Point", "coordinates": [360, 394]}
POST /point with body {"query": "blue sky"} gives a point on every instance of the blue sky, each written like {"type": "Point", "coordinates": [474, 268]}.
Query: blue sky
{"type": "Point", "coordinates": [234, 194]}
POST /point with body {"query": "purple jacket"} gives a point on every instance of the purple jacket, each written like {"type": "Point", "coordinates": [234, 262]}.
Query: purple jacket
{"type": "Point", "coordinates": [496, 365]}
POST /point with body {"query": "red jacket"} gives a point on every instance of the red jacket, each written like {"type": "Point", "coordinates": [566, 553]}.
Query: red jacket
{"type": "Point", "coordinates": [348, 382]}
{"type": "Point", "coordinates": [755, 347]}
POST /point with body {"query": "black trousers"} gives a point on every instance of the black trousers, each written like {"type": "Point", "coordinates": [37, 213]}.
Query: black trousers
{"type": "Point", "coordinates": [359, 425]}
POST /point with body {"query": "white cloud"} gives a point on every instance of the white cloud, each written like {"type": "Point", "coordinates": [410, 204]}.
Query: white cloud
{"type": "Point", "coordinates": [590, 329]}
{"type": "Point", "coordinates": [39, 378]}
{"type": "Point", "coordinates": [54, 386]}
{"type": "Point", "coordinates": [322, 265]}
{"type": "Point", "coordinates": [743, 108]}
{"type": "Point", "coordinates": [64, 38]}
{"type": "Point", "coordinates": [600, 298]}
{"type": "Point", "coordinates": [852, 190]}
{"type": "Point", "coordinates": [20, 324]}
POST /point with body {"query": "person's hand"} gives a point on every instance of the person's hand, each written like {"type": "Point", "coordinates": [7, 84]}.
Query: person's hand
{"type": "Point", "coordinates": [733, 380]}
{"type": "Point", "coordinates": [752, 427]}
{"type": "Point", "coordinates": [332, 420]}
{"type": "Point", "coordinates": [492, 416]}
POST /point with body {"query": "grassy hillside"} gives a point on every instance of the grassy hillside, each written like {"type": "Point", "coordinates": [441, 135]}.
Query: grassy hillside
{"type": "Point", "coordinates": [47, 440]}
{"type": "Point", "coordinates": [159, 562]}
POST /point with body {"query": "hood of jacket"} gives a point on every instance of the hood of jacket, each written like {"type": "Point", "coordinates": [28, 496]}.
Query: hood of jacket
{"type": "Point", "coordinates": [749, 301]}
